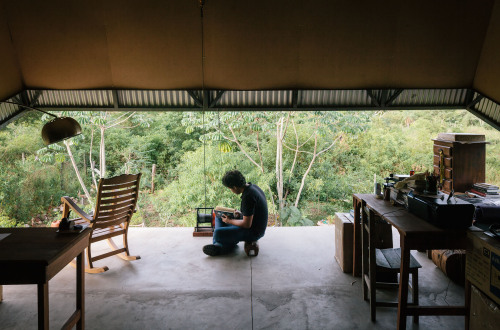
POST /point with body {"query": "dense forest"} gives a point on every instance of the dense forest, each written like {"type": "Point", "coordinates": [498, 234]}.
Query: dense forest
{"type": "Point", "coordinates": [307, 163]}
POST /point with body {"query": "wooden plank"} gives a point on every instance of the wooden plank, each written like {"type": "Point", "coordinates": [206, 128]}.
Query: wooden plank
{"type": "Point", "coordinates": [118, 193]}
{"type": "Point", "coordinates": [391, 258]}
{"type": "Point", "coordinates": [114, 222]}
{"type": "Point", "coordinates": [43, 306]}
{"type": "Point", "coordinates": [108, 254]}
{"type": "Point", "coordinates": [122, 179]}
{"type": "Point", "coordinates": [118, 203]}
{"type": "Point", "coordinates": [106, 233]}
{"type": "Point", "coordinates": [115, 214]}
{"type": "Point", "coordinates": [73, 319]}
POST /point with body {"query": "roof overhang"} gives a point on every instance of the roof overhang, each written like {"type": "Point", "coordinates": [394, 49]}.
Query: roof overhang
{"type": "Point", "coordinates": [280, 54]}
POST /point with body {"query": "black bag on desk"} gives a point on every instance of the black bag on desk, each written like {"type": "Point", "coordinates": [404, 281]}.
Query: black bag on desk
{"type": "Point", "coordinates": [441, 212]}
{"type": "Point", "coordinates": [487, 213]}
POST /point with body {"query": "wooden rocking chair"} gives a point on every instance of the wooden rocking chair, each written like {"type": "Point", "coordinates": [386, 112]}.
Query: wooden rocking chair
{"type": "Point", "coordinates": [115, 205]}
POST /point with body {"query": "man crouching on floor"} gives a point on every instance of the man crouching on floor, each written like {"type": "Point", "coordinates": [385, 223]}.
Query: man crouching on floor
{"type": "Point", "coordinates": [248, 225]}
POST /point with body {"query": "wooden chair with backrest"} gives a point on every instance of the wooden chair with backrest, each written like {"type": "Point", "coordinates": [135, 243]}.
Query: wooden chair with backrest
{"type": "Point", "coordinates": [115, 205]}
{"type": "Point", "coordinates": [378, 262]}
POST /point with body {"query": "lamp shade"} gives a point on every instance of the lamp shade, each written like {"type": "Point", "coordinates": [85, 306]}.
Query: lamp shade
{"type": "Point", "coordinates": [60, 129]}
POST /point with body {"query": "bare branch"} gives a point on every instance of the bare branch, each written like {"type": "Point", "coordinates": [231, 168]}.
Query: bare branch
{"type": "Point", "coordinates": [331, 145]}
{"type": "Point", "coordinates": [92, 163]}
{"type": "Point", "coordinates": [244, 151]}
{"type": "Point", "coordinates": [129, 127]}
{"type": "Point", "coordinates": [122, 115]}
{"type": "Point", "coordinates": [121, 121]}
{"type": "Point", "coordinates": [79, 177]}
{"type": "Point", "coordinates": [310, 137]}
{"type": "Point", "coordinates": [260, 153]}
{"type": "Point", "coordinates": [307, 171]}
{"type": "Point", "coordinates": [286, 124]}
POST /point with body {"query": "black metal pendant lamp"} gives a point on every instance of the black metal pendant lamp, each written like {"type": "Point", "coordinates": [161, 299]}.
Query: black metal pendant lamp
{"type": "Point", "coordinates": [56, 130]}
{"type": "Point", "coordinates": [59, 129]}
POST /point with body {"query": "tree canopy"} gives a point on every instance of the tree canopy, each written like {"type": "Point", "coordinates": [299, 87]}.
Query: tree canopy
{"type": "Point", "coordinates": [307, 163]}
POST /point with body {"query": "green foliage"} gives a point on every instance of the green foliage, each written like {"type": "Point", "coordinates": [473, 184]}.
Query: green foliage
{"type": "Point", "coordinates": [193, 150]}
{"type": "Point", "coordinates": [5, 221]}
{"type": "Point", "coordinates": [292, 216]}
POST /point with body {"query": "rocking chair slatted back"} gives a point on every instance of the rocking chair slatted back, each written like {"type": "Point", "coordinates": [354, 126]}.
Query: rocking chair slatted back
{"type": "Point", "coordinates": [116, 200]}
{"type": "Point", "coordinates": [115, 204]}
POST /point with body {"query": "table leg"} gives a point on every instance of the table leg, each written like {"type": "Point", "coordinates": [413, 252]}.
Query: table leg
{"type": "Point", "coordinates": [403, 284]}
{"type": "Point", "coordinates": [467, 303]}
{"type": "Point", "coordinates": [80, 290]}
{"type": "Point", "coordinates": [43, 306]}
{"type": "Point", "coordinates": [364, 258]}
{"type": "Point", "coordinates": [356, 251]}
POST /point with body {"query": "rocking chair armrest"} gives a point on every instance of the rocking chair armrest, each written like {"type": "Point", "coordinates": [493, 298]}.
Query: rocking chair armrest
{"type": "Point", "coordinates": [69, 202]}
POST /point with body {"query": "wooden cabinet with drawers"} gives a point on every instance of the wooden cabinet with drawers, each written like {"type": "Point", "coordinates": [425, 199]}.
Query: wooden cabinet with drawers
{"type": "Point", "coordinates": [464, 164]}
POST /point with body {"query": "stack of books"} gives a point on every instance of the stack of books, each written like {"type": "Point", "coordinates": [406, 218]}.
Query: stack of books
{"type": "Point", "coordinates": [485, 190]}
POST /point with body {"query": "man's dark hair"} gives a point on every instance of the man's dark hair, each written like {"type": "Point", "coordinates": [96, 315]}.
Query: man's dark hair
{"type": "Point", "coordinates": [234, 178]}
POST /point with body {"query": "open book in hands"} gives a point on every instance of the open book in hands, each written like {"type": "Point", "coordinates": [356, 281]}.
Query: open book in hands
{"type": "Point", "coordinates": [220, 210]}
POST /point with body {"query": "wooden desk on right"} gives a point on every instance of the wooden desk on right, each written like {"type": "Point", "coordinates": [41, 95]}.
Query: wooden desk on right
{"type": "Point", "coordinates": [415, 234]}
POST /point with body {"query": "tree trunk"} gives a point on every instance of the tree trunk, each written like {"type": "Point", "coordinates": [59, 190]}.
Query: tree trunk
{"type": "Point", "coordinates": [153, 172]}
{"type": "Point", "coordinates": [61, 176]}
{"type": "Point", "coordinates": [77, 172]}
{"type": "Point", "coordinates": [92, 162]}
{"type": "Point", "coordinates": [279, 162]}
{"type": "Point", "coordinates": [304, 180]}
{"type": "Point", "coordinates": [102, 154]}
{"type": "Point", "coordinates": [296, 154]}
{"type": "Point", "coordinates": [308, 169]}
{"type": "Point", "coordinates": [315, 155]}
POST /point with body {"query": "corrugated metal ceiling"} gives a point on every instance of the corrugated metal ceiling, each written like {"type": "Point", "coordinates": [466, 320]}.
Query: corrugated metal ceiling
{"type": "Point", "coordinates": [304, 100]}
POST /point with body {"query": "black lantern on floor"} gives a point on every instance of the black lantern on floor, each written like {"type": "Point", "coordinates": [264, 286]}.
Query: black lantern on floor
{"type": "Point", "coordinates": [205, 221]}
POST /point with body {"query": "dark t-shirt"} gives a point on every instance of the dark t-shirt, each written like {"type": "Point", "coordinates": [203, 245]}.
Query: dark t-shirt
{"type": "Point", "coordinates": [253, 202]}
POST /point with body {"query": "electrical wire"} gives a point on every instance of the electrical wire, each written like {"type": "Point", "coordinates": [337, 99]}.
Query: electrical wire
{"type": "Point", "coordinates": [202, 3]}
{"type": "Point", "coordinates": [204, 162]}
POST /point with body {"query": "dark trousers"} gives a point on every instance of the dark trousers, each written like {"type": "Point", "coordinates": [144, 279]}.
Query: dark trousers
{"type": "Point", "coordinates": [227, 236]}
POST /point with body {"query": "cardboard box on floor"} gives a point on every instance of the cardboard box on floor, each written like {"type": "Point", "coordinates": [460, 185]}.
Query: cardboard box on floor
{"type": "Point", "coordinates": [482, 265]}
{"type": "Point", "coordinates": [344, 241]}
{"type": "Point", "coordinates": [484, 313]}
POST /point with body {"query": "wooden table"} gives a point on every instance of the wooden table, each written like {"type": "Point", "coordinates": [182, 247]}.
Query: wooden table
{"type": "Point", "coordinates": [34, 256]}
{"type": "Point", "coordinates": [415, 234]}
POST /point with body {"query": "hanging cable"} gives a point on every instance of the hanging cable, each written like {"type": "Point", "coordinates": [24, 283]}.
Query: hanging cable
{"type": "Point", "coordinates": [204, 102]}
{"type": "Point", "coordinates": [204, 164]}
{"type": "Point", "coordinates": [221, 146]}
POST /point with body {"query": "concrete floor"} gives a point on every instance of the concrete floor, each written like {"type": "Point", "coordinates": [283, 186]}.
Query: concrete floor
{"type": "Point", "coordinates": [294, 283]}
